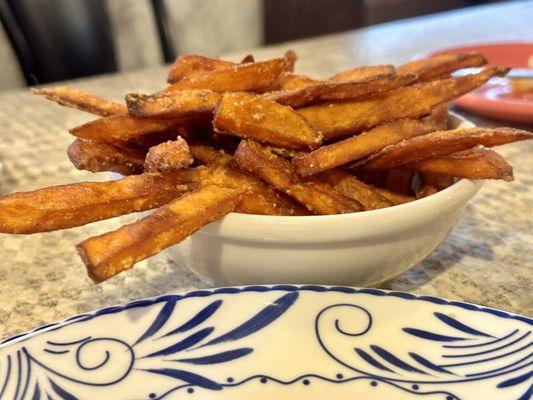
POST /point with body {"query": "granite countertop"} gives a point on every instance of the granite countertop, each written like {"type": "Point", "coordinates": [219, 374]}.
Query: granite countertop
{"type": "Point", "coordinates": [486, 259]}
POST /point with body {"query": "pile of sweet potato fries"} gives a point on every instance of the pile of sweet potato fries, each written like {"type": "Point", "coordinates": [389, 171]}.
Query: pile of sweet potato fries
{"type": "Point", "coordinates": [254, 137]}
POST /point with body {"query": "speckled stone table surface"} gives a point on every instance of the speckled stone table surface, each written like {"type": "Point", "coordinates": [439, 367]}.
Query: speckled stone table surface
{"type": "Point", "coordinates": [487, 258]}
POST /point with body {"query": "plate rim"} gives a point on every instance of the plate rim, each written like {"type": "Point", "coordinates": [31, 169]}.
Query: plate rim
{"type": "Point", "coordinates": [149, 301]}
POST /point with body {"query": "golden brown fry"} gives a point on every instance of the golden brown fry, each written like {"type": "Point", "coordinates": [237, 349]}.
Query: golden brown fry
{"type": "Point", "coordinates": [476, 163]}
{"type": "Point", "coordinates": [111, 253]}
{"type": "Point", "coordinates": [333, 91]}
{"type": "Point", "coordinates": [259, 199]}
{"type": "Point", "coordinates": [189, 65]}
{"type": "Point", "coordinates": [395, 198]}
{"type": "Point", "coordinates": [441, 143]}
{"type": "Point", "coordinates": [206, 154]}
{"type": "Point", "coordinates": [291, 57]}
{"type": "Point", "coordinates": [122, 128]}
{"type": "Point", "coordinates": [335, 120]}
{"type": "Point", "coordinates": [95, 156]}
{"type": "Point", "coordinates": [168, 156]}
{"type": "Point", "coordinates": [442, 64]}
{"type": "Point", "coordinates": [360, 146]}
{"type": "Point", "coordinates": [290, 81]}
{"type": "Point", "coordinates": [248, 116]}
{"type": "Point", "coordinates": [248, 58]}
{"type": "Point", "coordinates": [359, 73]}
{"type": "Point", "coordinates": [425, 191]}
{"type": "Point", "coordinates": [82, 101]}
{"type": "Point", "coordinates": [438, 181]}
{"type": "Point", "coordinates": [278, 172]}
{"type": "Point", "coordinates": [179, 104]}
{"type": "Point", "coordinates": [351, 187]}
{"type": "Point", "coordinates": [439, 117]}
{"type": "Point", "coordinates": [399, 181]}
{"type": "Point", "coordinates": [251, 77]}
{"type": "Point", "coordinates": [77, 204]}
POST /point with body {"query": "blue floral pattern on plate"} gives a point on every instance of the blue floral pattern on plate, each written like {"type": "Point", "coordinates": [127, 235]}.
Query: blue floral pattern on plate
{"type": "Point", "coordinates": [277, 342]}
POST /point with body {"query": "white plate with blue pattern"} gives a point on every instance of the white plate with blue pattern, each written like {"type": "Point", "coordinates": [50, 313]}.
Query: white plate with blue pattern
{"type": "Point", "coordinates": [275, 342]}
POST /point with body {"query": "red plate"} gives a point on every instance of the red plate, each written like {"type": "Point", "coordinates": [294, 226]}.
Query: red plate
{"type": "Point", "coordinates": [496, 98]}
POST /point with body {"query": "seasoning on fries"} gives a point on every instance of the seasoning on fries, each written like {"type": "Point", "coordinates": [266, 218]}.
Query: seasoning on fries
{"type": "Point", "coordinates": [254, 137]}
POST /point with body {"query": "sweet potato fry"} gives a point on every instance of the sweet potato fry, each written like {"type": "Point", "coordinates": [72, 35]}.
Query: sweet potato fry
{"type": "Point", "coordinates": [439, 117]}
{"type": "Point", "coordinates": [278, 172]}
{"type": "Point", "coordinates": [430, 68]}
{"type": "Point", "coordinates": [441, 143]}
{"type": "Point", "coordinates": [431, 183]}
{"type": "Point", "coordinates": [335, 120]}
{"type": "Point", "coordinates": [82, 101]}
{"type": "Point", "coordinates": [248, 116]}
{"type": "Point", "coordinates": [113, 252]}
{"type": "Point", "coordinates": [399, 181]}
{"type": "Point", "coordinates": [359, 73]}
{"type": "Point", "coordinates": [179, 104]}
{"type": "Point", "coordinates": [248, 58]}
{"type": "Point", "coordinates": [168, 156]}
{"type": "Point", "coordinates": [333, 91]}
{"type": "Point", "coordinates": [122, 128]}
{"type": "Point", "coordinates": [188, 65]}
{"type": "Point", "coordinates": [291, 57]}
{"type": "Point", "coordinates": [360, 146]}
{"type": "Point", "coordinates": [476, 163]}
{"type": "Point", "coordinates": [77, 204]}
{"type": "Point", "coordinates": [290, 81]}
{"type": "Point", "coordinates": [351, 187]}
{"type": "Point", "coordinates": [259, 198]}
{"type": "Point", "coordinates": [250, 77]}
{"type": "Point", "coordinates": [395, 198]}
{"type": "Point", "coordinates": [96, 156]}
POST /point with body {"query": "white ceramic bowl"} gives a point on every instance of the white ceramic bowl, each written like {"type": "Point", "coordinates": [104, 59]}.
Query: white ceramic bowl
{"type": "Point", "coordinates": [360, 249]}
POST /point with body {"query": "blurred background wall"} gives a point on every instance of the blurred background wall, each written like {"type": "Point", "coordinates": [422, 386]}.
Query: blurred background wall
{"type": "Point", "coordinates": [49, 40]}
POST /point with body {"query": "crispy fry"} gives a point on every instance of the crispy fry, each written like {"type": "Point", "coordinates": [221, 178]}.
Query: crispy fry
{"type": "Point", "coordinates": [291, 57]}
{"type": "Point", "coordinates": [333, 91]}
{"type": "Point", "coordinates": [250, 77]}
{"type": "Point", "coordinates": [278, 172]}
{"type": "Point", "coordinates": [439, 117]}
{"type": "Point", "coordinates": [206, 154]}
{"type": "Point", "coordinates": [82, 101]}
{"type": "Point", "coordinates": [179, 104]}
{"type": "Point", "coordinates": [113, 252]}
{"type": "Point", "coordinates": [168, 156]}
{"type": "Point", "coordinates": [360, 146]}
{"type": "Point", "coordinates": [399, 181]}
{"type": "Point", "coordinates": [335, 120]}
{"type": "Point", "coordinates": [77, 204]}
{"type": "Point", "coordinates": [359, 73]}
{"type": "Point", "coordinates": [122, 128]}
{"type": "Point", "coordinates": [441, 143]}
{"type": "Point", "coordinates": [476, 163]}
{"type": "Point", "coordinates": [259, 199]}
{"type": "Point", "coordinates": [95, 156]}
{"type": "Point", "coordinates": [248, 116]}
{"type": "Point", "coordinates": [188, 65]}
{"type": "Point", "coordinates": [351, 187]}
{"type": "Point", "coordinates": [248, 58]}
{"type": "Point", "coordinates": [442, 64]}
{"type": "Point", "coordinates": [395, 198]}
{"type": "Point", "coordinates": [438, 181]}
{"type": "Point", "coordinates": [290, 81]}
{"type": "Point", "coordinates": [425, 191]}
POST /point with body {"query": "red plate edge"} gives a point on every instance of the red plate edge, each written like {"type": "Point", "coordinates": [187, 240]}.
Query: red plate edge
{"type": "Point", "coordinates": [515, 55]}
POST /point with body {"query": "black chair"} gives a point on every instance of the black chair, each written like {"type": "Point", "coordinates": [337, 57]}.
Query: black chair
{"type": "Point", "coordinates": [64, 39]}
